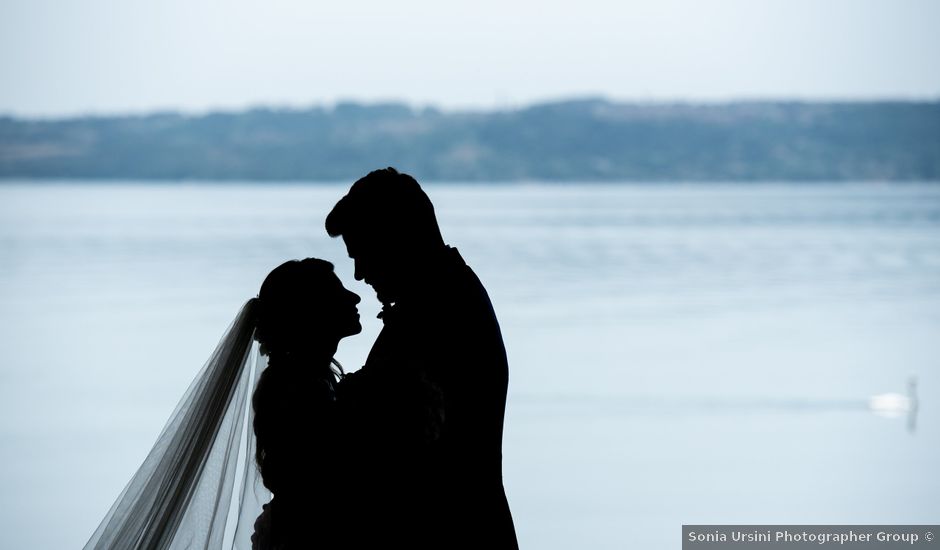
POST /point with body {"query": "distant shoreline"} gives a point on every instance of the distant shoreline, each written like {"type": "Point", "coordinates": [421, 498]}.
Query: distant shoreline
{"type": "Point", "coordinates": [590, 140]}
{"type": "Point", "coordinates": [124, 182]}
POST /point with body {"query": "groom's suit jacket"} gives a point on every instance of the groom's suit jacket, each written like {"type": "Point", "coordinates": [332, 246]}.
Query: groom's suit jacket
{"type": "Point", "coordinates": [433, 395]}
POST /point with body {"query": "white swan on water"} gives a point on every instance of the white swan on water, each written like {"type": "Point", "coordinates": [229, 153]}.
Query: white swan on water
{"type": "Point", "coordinates": [893, 405]}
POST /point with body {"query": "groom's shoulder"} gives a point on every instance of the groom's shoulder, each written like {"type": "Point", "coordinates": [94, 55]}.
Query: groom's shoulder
{"type": "Point", "coordinates": [474, 292]}
{"type": "Point", "coordinates": [456, 294]}
{"type": "Point", "coordinates": [460, 278]}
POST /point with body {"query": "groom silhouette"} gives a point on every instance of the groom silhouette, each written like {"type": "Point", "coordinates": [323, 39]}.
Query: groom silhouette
{"type": "Point", "coordinates": [427, 408]}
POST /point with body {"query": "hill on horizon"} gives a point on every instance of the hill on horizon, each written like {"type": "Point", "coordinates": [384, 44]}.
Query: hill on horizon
{"type": "Point", "coordinates": [577, 140]}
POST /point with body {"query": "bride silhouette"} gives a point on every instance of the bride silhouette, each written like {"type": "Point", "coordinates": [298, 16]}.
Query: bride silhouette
{"type": "Point", "coordinates": [215, 464]}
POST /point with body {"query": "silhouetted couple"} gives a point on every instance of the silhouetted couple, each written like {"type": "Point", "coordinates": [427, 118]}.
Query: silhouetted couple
{"type": "Point", "coordinates": [404, 453]}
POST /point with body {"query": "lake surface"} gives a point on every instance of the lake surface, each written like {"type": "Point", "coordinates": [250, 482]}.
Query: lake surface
{"type": "Point", "coordinates": [678, 353]}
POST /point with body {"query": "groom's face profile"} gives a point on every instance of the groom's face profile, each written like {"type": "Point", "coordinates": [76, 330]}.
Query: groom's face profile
{"type": "Point", "coordinates": [373, 264]}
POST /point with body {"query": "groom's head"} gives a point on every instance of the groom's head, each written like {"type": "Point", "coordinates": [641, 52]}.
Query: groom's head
{"type": "Point", "coordinates": [389, 226]}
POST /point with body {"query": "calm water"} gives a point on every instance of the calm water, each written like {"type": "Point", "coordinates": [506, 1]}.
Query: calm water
{"type": "Point", "coordinates": [678, 354]}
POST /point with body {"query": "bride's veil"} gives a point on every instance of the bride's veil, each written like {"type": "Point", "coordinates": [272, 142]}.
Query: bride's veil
{"type": "Point", "coordinates": [199, 487]}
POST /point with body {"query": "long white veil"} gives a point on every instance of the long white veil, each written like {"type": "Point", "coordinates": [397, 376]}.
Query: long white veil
{"type": "Point", "coordinates": [199, 487]}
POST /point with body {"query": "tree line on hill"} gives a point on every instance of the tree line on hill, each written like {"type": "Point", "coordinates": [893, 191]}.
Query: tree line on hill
{"type": "Point", "coordinates": [578, 140]}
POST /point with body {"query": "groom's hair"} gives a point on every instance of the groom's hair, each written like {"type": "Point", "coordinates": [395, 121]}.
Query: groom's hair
{"type": "Point", "coordinates": [386, 202]}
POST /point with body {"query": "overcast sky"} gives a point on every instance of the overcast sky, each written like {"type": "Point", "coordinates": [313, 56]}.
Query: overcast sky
{"type": "Point", "coordinates": [105, 56]}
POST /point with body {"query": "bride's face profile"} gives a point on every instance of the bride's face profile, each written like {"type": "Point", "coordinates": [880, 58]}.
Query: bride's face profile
{"type": "Point", "coordinates": [345, 314]}
{"type": "Point", "coordinates": [303, 307]}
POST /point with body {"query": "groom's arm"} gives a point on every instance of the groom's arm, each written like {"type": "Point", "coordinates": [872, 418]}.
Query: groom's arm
{"type": "Point", "coordinates": [399, 406]}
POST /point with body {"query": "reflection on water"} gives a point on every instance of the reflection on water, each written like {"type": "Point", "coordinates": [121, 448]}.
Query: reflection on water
{"type": "Point", "coordinates": [678, 353]}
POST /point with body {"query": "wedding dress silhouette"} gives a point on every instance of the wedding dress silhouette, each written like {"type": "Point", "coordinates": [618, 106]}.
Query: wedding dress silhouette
{"type": "Point", "coordinates": [200, 486]}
